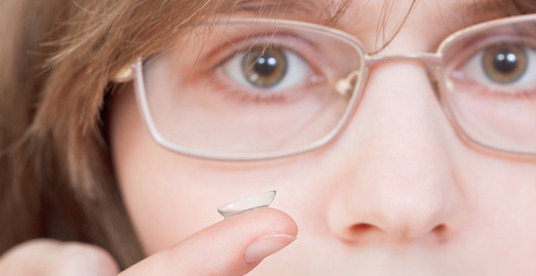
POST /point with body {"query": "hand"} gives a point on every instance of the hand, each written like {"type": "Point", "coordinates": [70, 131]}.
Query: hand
{"type": "Point", "coordinates": [233, 246]}
{"type": "Point", "coordinates": [50, 257]}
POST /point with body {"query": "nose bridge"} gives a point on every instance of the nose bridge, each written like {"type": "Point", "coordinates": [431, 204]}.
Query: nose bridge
{"type": "Point", "coordinates": [408, 125]}
{"type": "Point", "coordinates": [400, 180]}
{"type": "Point", "coordinates": [398, 94]}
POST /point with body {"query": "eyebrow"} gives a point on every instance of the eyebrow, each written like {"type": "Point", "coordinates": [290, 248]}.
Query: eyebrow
{"type": "Point", "coordinates": [271, 6]}
{"type": "Point", "coordinates": [495, 8]}
{"type": "Point", "coordinates": [329, 12]}
{"type": "Point", "coordinates": [318, 11]}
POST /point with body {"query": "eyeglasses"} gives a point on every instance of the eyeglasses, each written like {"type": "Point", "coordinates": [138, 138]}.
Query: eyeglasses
{"type": "Point", "coordinates": [249, 89]}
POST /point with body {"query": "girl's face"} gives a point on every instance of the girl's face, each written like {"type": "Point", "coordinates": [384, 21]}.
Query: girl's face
{"type": "Point", "coordinates": [398, 193]}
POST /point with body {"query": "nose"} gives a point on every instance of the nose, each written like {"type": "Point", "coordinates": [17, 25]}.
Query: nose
{"type": "Point", "coordinates": [395, 180]}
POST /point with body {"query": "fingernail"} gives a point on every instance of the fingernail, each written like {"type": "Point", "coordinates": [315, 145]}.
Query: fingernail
{"type": "Point", "coordinates": [247, 204]}
{"type": "Point", "coordinates": [266, 246]}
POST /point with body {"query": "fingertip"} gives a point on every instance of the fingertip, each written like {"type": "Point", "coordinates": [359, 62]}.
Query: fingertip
{"type": "Point", "coordinates": [269, 231]}
{"type": "Point", "coordinates": [233, 246]}
{"type": "Point", "coordinates": [52, 257]}
{"type": "Point", "coordinates": [268, 219]}
{"type": "Point", "coordinates": [266, 246]}
{"type": "Point", "coordinates": [90, 259]}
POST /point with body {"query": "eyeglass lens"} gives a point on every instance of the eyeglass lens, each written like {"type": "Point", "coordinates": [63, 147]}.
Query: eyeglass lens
{"type": "Point", "coordinates": [490, 85]}
{"type": "Point", "coordinates": [258, 87]}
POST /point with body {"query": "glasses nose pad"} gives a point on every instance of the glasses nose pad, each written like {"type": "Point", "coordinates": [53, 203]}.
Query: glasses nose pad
{"type": "Point", "coordinates": [346, 86]}
{"type": "Point", "coordinates": [433, 72]}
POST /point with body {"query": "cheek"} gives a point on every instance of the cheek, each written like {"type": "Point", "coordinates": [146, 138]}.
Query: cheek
{"type": "Point", "coordinates": [501, 200]}
{"type": "Point", "coordinates": [163, 207]}
{"type": "Point", "coordinates": [169, 196]}
{"type": "Point", "coordinates": [504, 189]}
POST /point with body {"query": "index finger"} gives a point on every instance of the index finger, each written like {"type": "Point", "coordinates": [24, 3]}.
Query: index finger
{"type": "Point", "coordinates": [233, 246]}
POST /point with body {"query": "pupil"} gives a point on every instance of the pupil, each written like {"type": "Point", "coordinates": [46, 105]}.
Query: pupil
{"type": "Point", "coordinates": [505, 61]}
{"type": "Point", "coordinates": [265, 65]}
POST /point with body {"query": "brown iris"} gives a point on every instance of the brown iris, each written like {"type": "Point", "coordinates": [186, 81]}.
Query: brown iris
{"type": "Point", "coordinates": [264, 68]}
{"type": "Point", "coordinates": [505, 63]}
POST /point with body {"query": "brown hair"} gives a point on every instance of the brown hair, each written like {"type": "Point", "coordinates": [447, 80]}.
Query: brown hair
{"type": "Point", "coordinates": [57, 180]}
{"type": "Point", "coordinates": [56, 57]}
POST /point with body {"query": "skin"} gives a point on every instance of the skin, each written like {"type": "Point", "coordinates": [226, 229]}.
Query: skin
{"type": "Point", "coordinates": [398, 193]}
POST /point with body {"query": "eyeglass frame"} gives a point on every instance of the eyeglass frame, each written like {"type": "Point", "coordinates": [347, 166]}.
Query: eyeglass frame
{"type": "Point", "coordinates": [433, 62]}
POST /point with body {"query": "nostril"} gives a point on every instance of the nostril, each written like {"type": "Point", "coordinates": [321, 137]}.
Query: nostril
{"type": "Point", "coordinates": [441, 233]}
{"type": "Point", "coordinates": [361, 228]}
{"type": "Point", "coordinates": [440, 229]}
{"type": "Point", "coordinates": [364, 233]}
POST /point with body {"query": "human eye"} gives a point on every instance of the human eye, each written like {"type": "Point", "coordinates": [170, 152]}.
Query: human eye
{"type": "Point", "coordinates": [267, 69]}
{"type": "Point", "coordinates": [502, 64]}
{"type": "Point", "coordinates": [270, 67]}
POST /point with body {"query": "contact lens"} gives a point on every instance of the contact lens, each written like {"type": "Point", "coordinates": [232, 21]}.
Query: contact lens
{"type": "Point", "coordinates": [247, 204]}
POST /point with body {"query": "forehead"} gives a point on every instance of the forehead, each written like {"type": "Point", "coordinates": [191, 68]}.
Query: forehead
{"type": "Point", "coordinates": [328, 9]}
{"type": "Point", "coordinates": [375, 22]}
